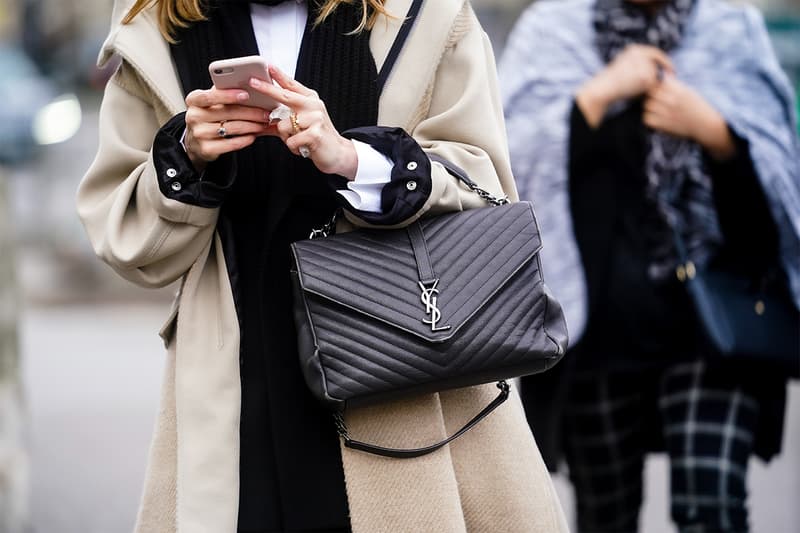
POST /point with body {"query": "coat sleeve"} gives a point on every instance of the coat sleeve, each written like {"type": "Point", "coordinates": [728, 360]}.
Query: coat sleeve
{"type": "Point", "coordinates": [146, 237]}
{"type": "Point", "coordinates": [464, 126]}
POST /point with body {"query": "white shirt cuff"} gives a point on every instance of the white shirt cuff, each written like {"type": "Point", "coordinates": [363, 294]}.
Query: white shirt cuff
{"type": "Point", "coordinates": [374, 171]}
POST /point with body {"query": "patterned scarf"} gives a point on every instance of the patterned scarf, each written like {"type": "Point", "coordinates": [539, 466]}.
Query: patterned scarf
{"type": "Point", "coordinates": [677, 184]}
{"type": "Point", "coordinates": [725, 54]}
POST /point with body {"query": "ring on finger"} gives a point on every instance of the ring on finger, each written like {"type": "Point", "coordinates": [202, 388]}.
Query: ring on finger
{"type": "Point", "coordinates": [305, 152]}
{"type": "Point", "coordinates": [295, 125]}
{"type": "Point", "coordinates": [222, 132]}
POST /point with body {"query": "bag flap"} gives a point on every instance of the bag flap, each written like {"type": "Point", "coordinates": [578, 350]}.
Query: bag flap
{"type": "Point", "coordinates": [474, 254]}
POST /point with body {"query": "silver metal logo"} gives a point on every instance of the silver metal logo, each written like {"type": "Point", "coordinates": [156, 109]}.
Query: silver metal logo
{"type": "Point", "coordinates": [429, 298]}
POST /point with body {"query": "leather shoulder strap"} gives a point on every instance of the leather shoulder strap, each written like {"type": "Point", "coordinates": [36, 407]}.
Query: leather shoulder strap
{"type": "Point", "coordinates": [397, 46]}
{"type": "Point", "coordinates": [403, 453]}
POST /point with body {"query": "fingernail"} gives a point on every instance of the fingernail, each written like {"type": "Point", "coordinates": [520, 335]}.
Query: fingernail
{"type": "Point", "coordinates": [242, 97]}
{"type": "Point", "coordinates": [254, 82]}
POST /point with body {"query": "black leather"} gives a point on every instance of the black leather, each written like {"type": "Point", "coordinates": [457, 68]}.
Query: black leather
{"type": "Point", "coordinates": [360, 309]}
{"type": "Point", "coordinates": [421, 254]}
{"type": "Point", "coordinates": [418, 452]}
{"type": "Point", "coordinates": [359, 312]}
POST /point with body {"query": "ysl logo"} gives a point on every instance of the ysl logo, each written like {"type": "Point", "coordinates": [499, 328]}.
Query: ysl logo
{"type": "Point", "coordinates": [429, 298]}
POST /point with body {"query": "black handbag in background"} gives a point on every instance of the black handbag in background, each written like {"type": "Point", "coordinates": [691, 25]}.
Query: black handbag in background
{"type": "Point", "coordinates": [451, 301]}
{"type": "Point", "coordinates": [744, 317]}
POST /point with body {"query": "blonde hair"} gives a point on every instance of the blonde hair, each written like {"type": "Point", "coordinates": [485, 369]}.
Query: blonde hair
{"type": "Point", "coordinates": [176, 14]}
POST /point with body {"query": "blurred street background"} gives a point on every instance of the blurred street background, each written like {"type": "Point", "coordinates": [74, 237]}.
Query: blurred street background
{"type": "Point", "coordinates": [78, 400]}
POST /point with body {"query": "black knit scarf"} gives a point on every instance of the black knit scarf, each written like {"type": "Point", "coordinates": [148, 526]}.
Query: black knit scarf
{"type": "Point", "coordinates": [340, 67]}
{"type": "Point", "coordinates": [678, 186]}
{"type": "Point", "coordinates": [335, 63]}
{"type": "Point", "coordinates": [269, 178]}
{"type": "Point", "coordinates": [277, 198]}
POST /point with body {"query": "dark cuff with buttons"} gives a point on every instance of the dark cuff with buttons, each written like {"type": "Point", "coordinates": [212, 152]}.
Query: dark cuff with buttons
{"type": "Point", "coordinates": [410, 186]}
{"type": "Point", "coordinates": [177, 177]}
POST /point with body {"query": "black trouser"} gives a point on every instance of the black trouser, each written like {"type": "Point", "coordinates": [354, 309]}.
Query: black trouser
{"type": "Point", "coordinates": [708, 428]}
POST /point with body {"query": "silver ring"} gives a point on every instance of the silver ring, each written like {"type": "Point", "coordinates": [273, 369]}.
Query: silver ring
{"type": "Point", "coordinates": [222, 132]}
{"type": "Point", "coordinates": [305, 152]}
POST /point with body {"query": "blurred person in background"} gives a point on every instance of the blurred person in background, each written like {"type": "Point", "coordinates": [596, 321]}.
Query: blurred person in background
{"type": "Point", "coordinates": [191, 183]}
{"type": "Point", "coordinates": [612, 105]}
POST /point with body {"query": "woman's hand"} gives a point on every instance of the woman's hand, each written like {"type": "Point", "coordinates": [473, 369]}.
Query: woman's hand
{"type": "Point", "coordinates": [311, 128]}
{"type": "Point", "coordinates": [675, 108]}
{"type": "Point", "coordinates": [634, 72]}
{"type": "Point", "coordinates": [208, 112]}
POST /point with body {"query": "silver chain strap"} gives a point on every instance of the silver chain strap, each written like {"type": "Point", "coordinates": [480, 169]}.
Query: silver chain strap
{"type": "Point", "coordinates": [492, 199]}
{"type": "Point", "coordinates": [328, 229]}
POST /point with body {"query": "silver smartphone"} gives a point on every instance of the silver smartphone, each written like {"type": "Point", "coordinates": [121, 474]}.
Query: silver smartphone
{"type": "Point", "coordinates": [236, 73]}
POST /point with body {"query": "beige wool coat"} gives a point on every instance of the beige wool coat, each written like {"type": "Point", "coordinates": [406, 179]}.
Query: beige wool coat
{"type": "Point", "coordinates": [443, 91]}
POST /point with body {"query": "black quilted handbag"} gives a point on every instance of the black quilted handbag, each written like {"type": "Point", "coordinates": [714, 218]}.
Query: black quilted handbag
{"type": "Point", "coordinates": [451, 301]}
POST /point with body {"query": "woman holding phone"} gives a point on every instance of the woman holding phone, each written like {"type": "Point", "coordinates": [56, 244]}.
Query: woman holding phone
{"type": "Point", "coordinates": [198, 184]}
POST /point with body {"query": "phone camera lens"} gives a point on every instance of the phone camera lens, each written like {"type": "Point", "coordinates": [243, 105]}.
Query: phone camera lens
{"type": "Point", "coordinates": [218, 71]}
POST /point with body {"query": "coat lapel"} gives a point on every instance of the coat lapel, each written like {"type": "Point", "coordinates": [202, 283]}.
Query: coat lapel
{"type": "Point", "coordinates": [141, 45]}
{"type": "Point", "coordinates": [417, 64]}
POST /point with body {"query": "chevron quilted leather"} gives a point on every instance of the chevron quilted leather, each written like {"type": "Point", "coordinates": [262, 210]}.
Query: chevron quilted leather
{"type": "Point", "coordinates": [361, 316]}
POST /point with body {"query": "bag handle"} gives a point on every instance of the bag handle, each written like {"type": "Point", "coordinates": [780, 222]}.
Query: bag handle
{"type": "Point", "coordinates": [409, 453]}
